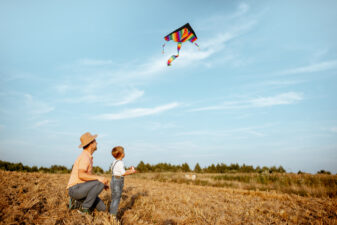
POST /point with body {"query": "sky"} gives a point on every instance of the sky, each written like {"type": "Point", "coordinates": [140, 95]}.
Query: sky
{"type": "Point", "coordinates": [261, 89]}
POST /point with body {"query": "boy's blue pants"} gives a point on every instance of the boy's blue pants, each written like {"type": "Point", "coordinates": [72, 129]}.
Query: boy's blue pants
{"type": "Point", "coordinates": [116, 186]}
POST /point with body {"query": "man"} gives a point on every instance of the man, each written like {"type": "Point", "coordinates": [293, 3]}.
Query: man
{"type": "Point", "coordinates": [83, 185]}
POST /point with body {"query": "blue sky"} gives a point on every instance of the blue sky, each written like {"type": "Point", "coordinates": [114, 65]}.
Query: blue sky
{"type": "Point", "coordinates": [261, 90]}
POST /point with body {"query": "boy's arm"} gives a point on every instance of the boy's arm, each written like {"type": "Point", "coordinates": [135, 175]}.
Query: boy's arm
{"type": "Point", "coordinates": [130, 171]}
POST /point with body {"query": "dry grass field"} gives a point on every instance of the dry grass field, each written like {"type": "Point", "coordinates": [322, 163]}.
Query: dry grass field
{"type": "Point", "coordinates": [38, 198]}
{"type": "Point", "coordinates": [318, 185]}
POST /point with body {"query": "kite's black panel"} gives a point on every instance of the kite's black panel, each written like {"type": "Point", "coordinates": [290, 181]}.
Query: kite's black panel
{"type": "Point", "coordinates": [187, 25]}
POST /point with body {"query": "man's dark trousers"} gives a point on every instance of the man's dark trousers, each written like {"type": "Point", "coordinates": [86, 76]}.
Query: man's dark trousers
{"type": "Point", "coordinates": [88, 192]}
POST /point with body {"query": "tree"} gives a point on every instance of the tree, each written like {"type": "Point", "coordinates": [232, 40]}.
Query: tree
{"type": "Point", "coordinates": [281, 169]}
{"type": "Point", "coordinates": [141, 167]}
{"type": "Point", "coordinates": [44, 169]}
{"type": "Point", "coordinates": [247, 169]}
{"type": "Point", "coordinates": [234, 167]}
{"type": "Point", "coordinates": [185, 167]}
{"type": "Point", "coordinates": [98, 169]}
{"type": "Point", "coordinates": [323, 172]}
{"type": "Point", "coordinates": [34, 169]}
{"type": "Point", "coordinates": [210, 169]}
{"type": "Point", "coordinates": [258, 169]}
{"type": "Point", "coordinates": [197, 168]}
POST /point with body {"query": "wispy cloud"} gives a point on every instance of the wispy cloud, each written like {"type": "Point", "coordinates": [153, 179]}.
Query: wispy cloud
{"type": "Point", "coordinates": [281, 99]}
{"type": "Point", "coordinates": [16, 75]}
{"type": "Point", "coordinates": [130, 98]}
{"type": "Point", "coordinates": [282, 82]}
{"type": "Point", "coordinates": [37, 107]}
{"type": "Point", "coordinates": [94, 62]}
{"type": "Point", "coordinates": [124, 97]}
{"type": "Point", "coordinates": [333, 129]}
{"type": "Point", "coordinates": [242, 9]}
{"type": "Point", "coordinates": [213, 22]}
{"type": "Point", "coordinates": [62, 88]}
{"type": "Point", "coordinates": [255, 131]}
{"type": "Point", "coordinates": [272, 84]}
{"type": "Point", "coordinates": [316, 67]}
{"type": "Point", "coordinates": [43, 123]}
{"type": "Point", "coordinates": [161, 126]}
{"type": "Point", "coordinates": [138, 112]}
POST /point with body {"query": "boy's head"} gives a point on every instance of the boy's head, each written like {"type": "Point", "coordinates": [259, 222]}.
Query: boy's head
{"type": "Point", "coordinates": [117, 152]}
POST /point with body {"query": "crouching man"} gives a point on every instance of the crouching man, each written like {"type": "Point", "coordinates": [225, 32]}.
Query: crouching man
{"type": "Point", "coordinates": [83, 186]}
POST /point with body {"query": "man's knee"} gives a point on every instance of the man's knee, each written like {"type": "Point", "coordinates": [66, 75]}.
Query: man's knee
{"type": "Point", "coordinates": [99, 186]}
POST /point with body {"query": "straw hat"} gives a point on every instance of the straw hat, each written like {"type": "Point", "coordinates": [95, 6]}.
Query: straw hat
{"type": "Point", "coordinates": [86, 139]}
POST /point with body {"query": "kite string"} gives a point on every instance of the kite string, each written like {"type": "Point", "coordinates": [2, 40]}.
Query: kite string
{"type": "Point", "coordinates": [163, 48]}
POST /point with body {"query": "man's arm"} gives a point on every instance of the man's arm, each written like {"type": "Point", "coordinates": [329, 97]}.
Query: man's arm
{"type": "Point", "coordinates": [83, 175]}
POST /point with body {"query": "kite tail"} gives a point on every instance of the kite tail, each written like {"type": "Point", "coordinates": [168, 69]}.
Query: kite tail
{"type": "Point", "coordinates": [173, 57]}
{"type": "Point", "coordinates": [196, 45]}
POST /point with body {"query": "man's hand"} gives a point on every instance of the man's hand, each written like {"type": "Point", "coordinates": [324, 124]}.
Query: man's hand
{"type": "Point", "coordinates": [106, 187]}
{"type": "Point", "coordinates": [103, 180]}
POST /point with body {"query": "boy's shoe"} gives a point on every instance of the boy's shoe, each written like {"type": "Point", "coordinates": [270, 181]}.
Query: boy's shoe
{"type": "Point", "coordinates": [74, 204]}
{"type": "Point", "coordinates": [113, 218]}
{"type": "Point", "coordinates": [84, 211]}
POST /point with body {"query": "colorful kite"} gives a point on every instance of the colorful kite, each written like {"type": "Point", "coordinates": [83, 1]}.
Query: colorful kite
{"type": "Point", "coordinates": [180, 35]}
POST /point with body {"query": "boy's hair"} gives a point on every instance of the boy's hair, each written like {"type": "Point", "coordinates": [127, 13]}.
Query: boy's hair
{"type": "Point", "coordinates": [117, 151]}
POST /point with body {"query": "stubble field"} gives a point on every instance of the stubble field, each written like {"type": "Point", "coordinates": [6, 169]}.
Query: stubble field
{"type": "Point", "coordinates": [38, 198]}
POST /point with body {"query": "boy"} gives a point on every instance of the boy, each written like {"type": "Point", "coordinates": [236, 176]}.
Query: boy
{"type": "Point", "coordinates": [117, 179]}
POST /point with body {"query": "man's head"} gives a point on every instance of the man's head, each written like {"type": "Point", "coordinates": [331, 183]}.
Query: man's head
{"type": "Point", "coordinates": [92, 146]}
{"type": "Point", "coordinates": [117, 152]}
{"type": "Point", "coordinates": [88, 142]}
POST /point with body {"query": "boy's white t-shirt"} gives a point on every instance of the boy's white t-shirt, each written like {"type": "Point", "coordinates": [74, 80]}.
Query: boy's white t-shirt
{"type": "Point", "coordinates": [118, 168]}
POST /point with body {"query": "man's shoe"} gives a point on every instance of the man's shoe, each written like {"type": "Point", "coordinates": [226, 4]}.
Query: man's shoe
{"type": "Point", "coordinates": [74, 204]}
{"type": "Point", "coordinates": [70, 204]}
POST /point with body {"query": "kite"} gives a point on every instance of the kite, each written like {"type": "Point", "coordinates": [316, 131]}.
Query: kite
{"type": "Point", "coordinates": [180, 35]}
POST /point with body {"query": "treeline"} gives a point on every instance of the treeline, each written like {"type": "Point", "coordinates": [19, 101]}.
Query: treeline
{"type": "Point", "coordinates": [160, 167]}
{"type": "Point", "coordinates": [218, 168]}
{"type": "Point", "coordinates": [20, 167]}
{"type": "Point", "coordinates": [52, 169]}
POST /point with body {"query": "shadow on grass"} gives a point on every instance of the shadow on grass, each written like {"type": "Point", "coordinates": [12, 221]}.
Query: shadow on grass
{"type": "Point", "coordinates": [129, 205]}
